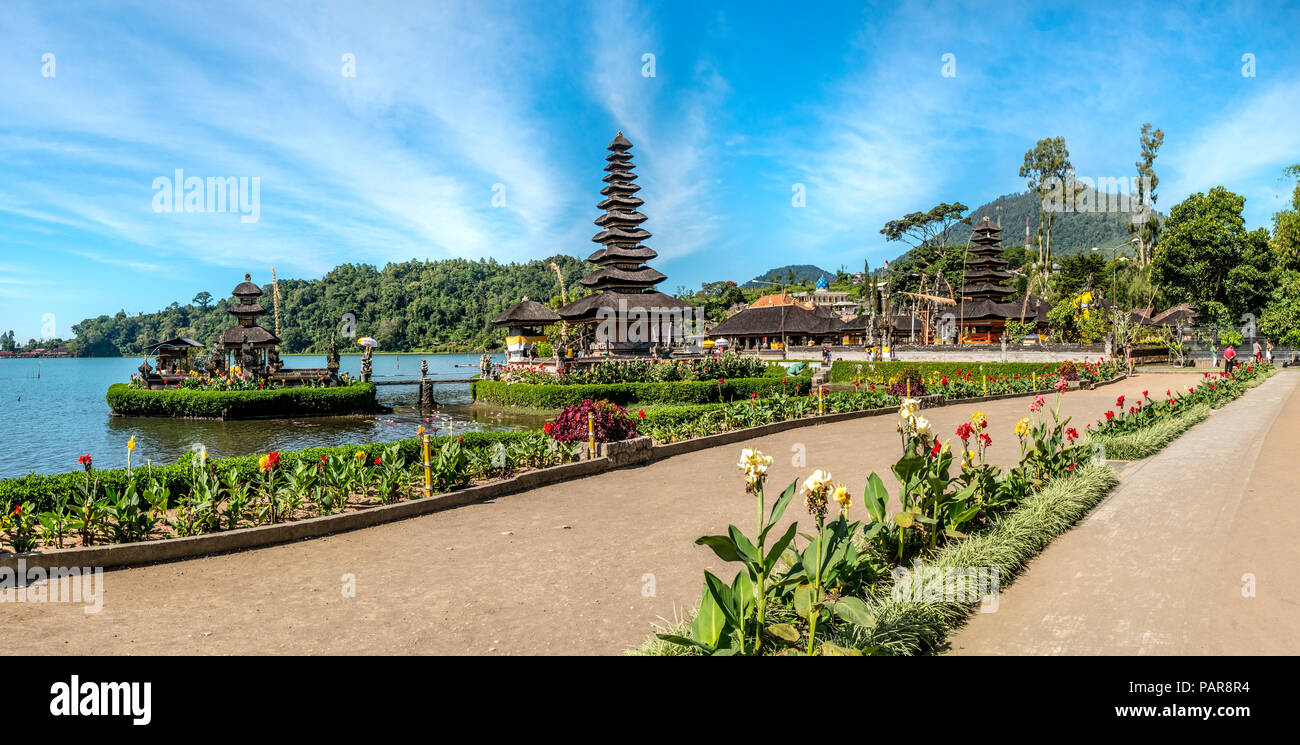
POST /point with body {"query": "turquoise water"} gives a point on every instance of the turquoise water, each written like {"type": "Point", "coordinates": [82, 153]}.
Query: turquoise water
{"type": "Point", "coordinates": [47, 422]}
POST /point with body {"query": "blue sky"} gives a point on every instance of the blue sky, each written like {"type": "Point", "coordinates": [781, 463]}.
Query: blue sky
{"type": "Point", "coordinates": [450, 100]}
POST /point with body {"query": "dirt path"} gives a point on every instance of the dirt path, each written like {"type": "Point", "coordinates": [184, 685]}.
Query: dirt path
{"type": "Point", "coordinates": [576, 568]}
{"type": "Point", "coordinates": [1160, 566]}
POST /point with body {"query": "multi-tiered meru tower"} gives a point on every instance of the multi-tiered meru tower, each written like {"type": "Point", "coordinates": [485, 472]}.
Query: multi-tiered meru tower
{"type": "Point", "coordinates": [984, 307]}
{"type": "Point", "coordinates": [624, 315]}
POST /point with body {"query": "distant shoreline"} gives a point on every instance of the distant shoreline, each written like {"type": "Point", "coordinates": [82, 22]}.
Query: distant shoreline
{"type": "Point", "coordinates": [286, 354]}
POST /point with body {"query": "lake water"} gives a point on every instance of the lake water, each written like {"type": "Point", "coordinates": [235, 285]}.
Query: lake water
{"type": "Point", "coordinates": [46, 423]}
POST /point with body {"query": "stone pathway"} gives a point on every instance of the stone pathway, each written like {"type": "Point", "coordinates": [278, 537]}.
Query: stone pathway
{"type": "Point", "coordinates": [1160, 566]}
{"type": "Point", "coordinates": [576, 568]}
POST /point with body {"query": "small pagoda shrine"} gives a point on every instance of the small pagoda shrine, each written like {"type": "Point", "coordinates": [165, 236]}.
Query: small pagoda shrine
{"type": "Point", "coordinates": [625, 313]}
{"type": "Point", "coordinates": [247, 344]}
{"type": "Point", "coordinates": [984, 306]}
{"type": "Point", "coordinates": [523, 322]}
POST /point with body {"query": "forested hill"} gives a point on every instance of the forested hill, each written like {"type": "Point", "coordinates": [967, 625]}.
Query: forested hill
{"type": "Point", "coordinates": [1072, 232]}
{"type": "Point", "coordinates": [414, 305]}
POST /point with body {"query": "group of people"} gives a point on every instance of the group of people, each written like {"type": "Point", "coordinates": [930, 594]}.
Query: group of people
{"type": "Point", "coordinates": [1262, 354]}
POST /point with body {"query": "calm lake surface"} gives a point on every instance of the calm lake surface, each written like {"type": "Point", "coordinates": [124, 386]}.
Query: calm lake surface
{"type": "Point", "coordinates": [46, 423]}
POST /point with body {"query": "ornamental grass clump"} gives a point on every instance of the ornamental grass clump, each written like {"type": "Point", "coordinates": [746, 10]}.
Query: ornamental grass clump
{"type": "Point", "coordinates": [611, 423]}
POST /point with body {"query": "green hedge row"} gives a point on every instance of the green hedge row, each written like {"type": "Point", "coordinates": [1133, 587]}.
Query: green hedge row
{"type": "Point", "coordinates": [545, 396]}
{"type": "Point", "coordinates": [843, 371]}
{"type": "Point", "coordinates": [43, 490]}
{"type": "Point", "coordinates": [128, 401]}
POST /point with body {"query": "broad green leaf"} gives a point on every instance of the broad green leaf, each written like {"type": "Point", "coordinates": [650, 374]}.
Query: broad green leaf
{"type": "Point", "coordinates": [783, 631]}
{"type": "Point", "coordinates": [875, 497]}
{"type": "Point", "coordinates": [685, 642]}
{"type": "Point", "coordinates": [777, 548]}
{"type": "Point", "coordinates": [722, 596]}
{"type": "Point", "coordinates": [742, 544]}
{"type": "Point", "coordinates": [709, 621]}
{"type": "Point", "coordinates": [855, 611]}
{"type": "Point", "coordinates": [904, 519]}
{"type": "Point", "coordinates": [722, 546]}
{"type": "Point", "coordinates": [834, 650]}
{"type": "Point", "coordinates": [778, 509]}
{"type": "Point", "coordinates": [803, 600]}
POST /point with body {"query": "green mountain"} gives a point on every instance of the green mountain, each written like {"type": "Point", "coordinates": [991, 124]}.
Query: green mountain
{"type": "Point", "coordinates": [1072, 232]}
{"type": "Point", "coordinates": [804, 274]}
{"type": "Point", "coordinates": [413, 305]}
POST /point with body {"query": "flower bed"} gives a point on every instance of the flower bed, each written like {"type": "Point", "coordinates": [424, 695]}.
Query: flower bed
{"type": "Point", "coordinates": [200, 496]}
{"type": "Point", "coordinates": [556, 396]}
{"type": "Point", "coordinates": [126, 400]}
{"type": "Point", "coordinates": [967, 379]}
{"type": "Point", "coordinates": [676, 423]}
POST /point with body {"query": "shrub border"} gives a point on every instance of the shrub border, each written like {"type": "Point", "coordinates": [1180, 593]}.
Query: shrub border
{"type": "Point", "coordinates": [358, 398]}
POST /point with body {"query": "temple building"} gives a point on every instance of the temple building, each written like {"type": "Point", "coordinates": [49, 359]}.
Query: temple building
{"type": "Point", "coordinates": [984, 307]}
{"type": "Point", "coordinates": [246, 340]}
{"type": "Point", "coordinates": [822, 295]}
{"type": "Point", "coordinates": [624, 315]}
{"type": "Point", "coordinates": [524, 322]}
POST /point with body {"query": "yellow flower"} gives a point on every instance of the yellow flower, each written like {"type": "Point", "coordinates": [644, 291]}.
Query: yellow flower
{"type": "Point", "coordinates": [130, 444]}
{"type": "Point", "coordinates": [361, 455]}
{"type": "Point", "coordinates": [841, 496]}
{"type": "Point", "coordinates": [264, 462]}
{"type": "Point", "coordinates": [977, 418]}
{"type": "Point", "coordinates": [420, 432]}
{"type": "Point", "coordinates": [817, 482]}
{"type": "Point", "coordinates": [1022, 427]}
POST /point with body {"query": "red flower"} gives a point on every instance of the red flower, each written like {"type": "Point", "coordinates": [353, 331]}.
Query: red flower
{"type": "Point", "coordinates": [460, 439]}
{"type": "Point", "coordinates": [548, 427]}
{"type": "Point", "coordinates": [935, 450]}
{"type": "Point", "coordinates": [753, 395]}
{"type": "Point", "coordinates": [324, 459]}
{"type": "Point", "coordinates": [720, 381]}
{"type": "Point", "coordinates": [1119, 402]}
{"type": "Point", "coordinates": [943, 380]}
{"type": "Point", "coordinates": [85, 461]}
{"type": "Point", "coordinates": [986, 440]}
{"type": "Point", "coordinates": [379, 460]}
{"type": "Point", "coordinates": [18, 508]}
{"type": "Point", "coordinates": [1110, 415]}
{"type": "Point", "coordinates": [273, 460]}
{"type": "Point", "coordinates": [1072, 434]}
{"type": "Point", "coordinates": [965, 431]}
{"type": "Point", "coordinates": [1144, 395]}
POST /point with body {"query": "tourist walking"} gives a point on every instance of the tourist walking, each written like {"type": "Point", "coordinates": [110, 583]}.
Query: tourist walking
{"type": "Point", "coordinates": [1259, 351]}
{"type": "Point", "coordinates": [1268, 352]}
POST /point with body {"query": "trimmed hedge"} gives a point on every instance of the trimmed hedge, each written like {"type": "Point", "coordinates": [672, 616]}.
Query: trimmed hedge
{"type": "Point", "coordinates": [42, 490]}
{"type": "Point", "coordinates": [843, 371]}
{"type": "Point", "coordinates": [279, 402]}
{"type": "Point", "coordinates": [546, 396]}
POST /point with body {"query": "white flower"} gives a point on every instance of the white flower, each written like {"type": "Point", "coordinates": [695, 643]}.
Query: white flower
{"type": "Point", "coordinates": [818, 482]}
{"type": "Point", "coordinates": [922, 426]}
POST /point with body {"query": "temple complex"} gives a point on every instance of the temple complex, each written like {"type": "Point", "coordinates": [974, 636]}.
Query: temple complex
{"type": "Point", "coordinates": [983, 308]}
{"type": "Point", "coordinates": [247, 344]}
{"type": "Point", "coordinates": [624, 315]}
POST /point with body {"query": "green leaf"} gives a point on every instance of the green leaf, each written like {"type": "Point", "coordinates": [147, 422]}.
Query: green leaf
{"type": "Point", "coordinates": [855, 611]}
{"type": "Point", "coordinates": [709, 621]}
{"type": "Point", "coordinates": [779, 547]}
{"type": "Point", "coordinates": [721, 594]}
{"type": "Point", "coordinates": [904, 519]}
{"type": "Point", "coordinates": [778, 509]}
{"type": "Point", "coordinates": [803, 600]}
{"type": "Point", "coordinates": [834, 650]}
{"type": "Point", "coordinates": [685, 642]}
{"type": "Point", "coordinates": [747, 550]}
{"type": "Point", "coordinates": [783, 631]}
{"type": "Point", "coordinates": [875, 497]}
{"type": "Point", "coordinates": [908, 466]}
{"type": "Point", "coordinates": [723, 546]}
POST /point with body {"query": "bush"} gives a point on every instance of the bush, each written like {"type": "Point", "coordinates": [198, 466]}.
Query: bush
{"type": "Point", "coordinates": [280, 402]}
{"type": "Point", "coordinates": [611, 423]}
{"type": "Point", "coordinates": [1068, 371]}
{"type": "Point", "coordinates": [908, 382]}
{"type": "Point", "coordinates": [550, 396]}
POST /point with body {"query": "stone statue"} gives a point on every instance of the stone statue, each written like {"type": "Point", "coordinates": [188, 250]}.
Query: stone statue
{"type": "Point", "coordinates": [332, 358]}
{"type": "Point", "coordinates": [485, 367]}
{"type": "Point", "coordinates": [273, 362]}
{"type": "Point", "coordinates": [366, 370]}
{"type": "Point", "coordinates": [424, 369]}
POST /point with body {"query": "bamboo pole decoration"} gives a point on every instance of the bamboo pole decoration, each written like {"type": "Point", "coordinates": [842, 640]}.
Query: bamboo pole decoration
{"type": "Point", "coordinates": [275, 299]}
{"type": "Point", "coordinates": [591, 435]}
{"type": "Point", "coordinates": [428, 466]}
{"type": "Point", "coordinates": [821, 393]}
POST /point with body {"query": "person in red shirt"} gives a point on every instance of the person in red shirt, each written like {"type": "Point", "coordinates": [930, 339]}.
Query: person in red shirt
{"type": "Point", "coordinates": [1229, 359]}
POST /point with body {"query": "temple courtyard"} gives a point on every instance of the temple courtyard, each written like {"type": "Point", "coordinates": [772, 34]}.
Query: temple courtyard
{"type": "Point", "coordinates": [585, 567]}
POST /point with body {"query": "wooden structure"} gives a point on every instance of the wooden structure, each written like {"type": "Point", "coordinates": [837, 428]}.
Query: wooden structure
{"type": "Point", "coordinates": [984, 306]}
{"type": "Point", "coordinates": [523, 322]}
{"type": "Point", "coordinates": [624, 315]}
{"type": "Point", "coordinates": [246, 344]}
{"type": "Point", "coordinates": [175, 356]}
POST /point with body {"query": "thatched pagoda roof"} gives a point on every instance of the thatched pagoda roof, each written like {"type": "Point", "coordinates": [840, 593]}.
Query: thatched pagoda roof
{"type": "Point", "coordinates": [770, 320]}
{"type": "Point", "coordinates": [526, 313]}
{"type": "Point", "coordinates": [256, 335]}
{"type": "Point", "coordinates": [585, 309]}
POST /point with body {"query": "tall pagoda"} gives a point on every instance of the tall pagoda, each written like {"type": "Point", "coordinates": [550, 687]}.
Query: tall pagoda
{"type": "Point", "coordinates": [986, 272]}
{"type": "Point", "coordinates": [985, 306]}
{"type": "Point", "coordinates": [246, 341]}
{"type": "Point", "coordinates": [624, 309]}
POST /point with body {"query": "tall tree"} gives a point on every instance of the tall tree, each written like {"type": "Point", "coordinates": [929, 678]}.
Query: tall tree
{"type": "Point", "coordinates": [1206, 253]}
{"type": "Point", "coordinates": [1047, 168]}
{"type": "Point", "coordinates": [1146, 224]}
{"type": "Point", "coordinates": [203, 300]}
